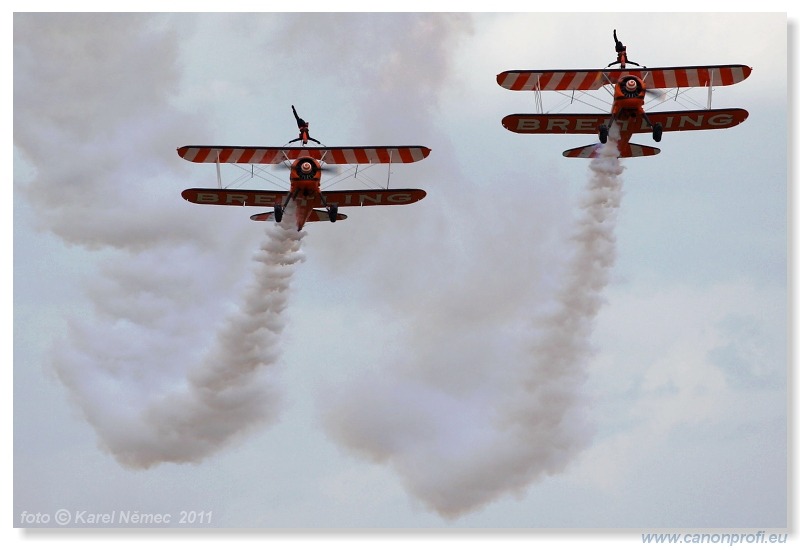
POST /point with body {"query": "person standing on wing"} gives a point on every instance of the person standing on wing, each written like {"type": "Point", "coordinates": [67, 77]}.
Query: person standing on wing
{"type": "Point", "coordinates": [622, 55]}
{"type": "Point", "coordinates": [302, 125]}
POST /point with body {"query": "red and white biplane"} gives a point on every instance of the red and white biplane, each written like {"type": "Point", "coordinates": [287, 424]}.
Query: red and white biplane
{"type": "Point", "coordinates": [306, 164]}
{"type": "Point", "coordinates": [628, 88]}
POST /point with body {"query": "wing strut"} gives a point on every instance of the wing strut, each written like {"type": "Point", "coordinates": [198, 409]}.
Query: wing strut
{"type": "Point", "coordinates": [219, 175]}
{"type": "Point", "coordinates": [538, 96]}
{"type": "Point", "coordinates": [711, 79]}
{"type": "Point", "coordinates": [389, 169]}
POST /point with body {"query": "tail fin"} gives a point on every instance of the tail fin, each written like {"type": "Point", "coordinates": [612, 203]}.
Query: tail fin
{"type": "Point", "coordinates": [626, 150]}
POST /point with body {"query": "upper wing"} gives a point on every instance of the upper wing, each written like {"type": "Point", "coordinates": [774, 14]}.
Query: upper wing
{"type": "Point", "coordinates": [693, 77]}
{"type": "Point", "coordinates": [588, 79]}
{"type": "Point", "coordinates": [593, 79]}
{"type": "Point", "coordinates": [329, 155]}
{"type": "Point", "coordinates": [671, 121]}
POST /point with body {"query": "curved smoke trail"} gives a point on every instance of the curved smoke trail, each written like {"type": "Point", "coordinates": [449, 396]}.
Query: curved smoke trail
{"type": "Point", "coordinates": [137, 358]}
{"type": "Point", "coordinates": [459, 444]}
{"type": "Point", "coordinates": [230, 391]}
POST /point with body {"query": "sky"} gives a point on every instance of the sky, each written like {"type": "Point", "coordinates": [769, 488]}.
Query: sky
{"type": "Point", "coordinates": [541, 343]}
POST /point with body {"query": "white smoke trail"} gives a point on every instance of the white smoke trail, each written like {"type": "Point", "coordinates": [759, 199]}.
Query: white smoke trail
{"type": "Point", "coordinates": [564, 344]}
{"type": "Point", "coordinates": [137, 360]}
{"type": "Point", "coordinates": [229, 392]}
{"type": "Point", "coordinates": [467, 420]}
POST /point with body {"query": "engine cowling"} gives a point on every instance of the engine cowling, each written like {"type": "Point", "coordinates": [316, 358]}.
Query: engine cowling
{"type": "Point", "coordinates": [306, 168]}
{"type": "Point", "coordinates": [630, 86]}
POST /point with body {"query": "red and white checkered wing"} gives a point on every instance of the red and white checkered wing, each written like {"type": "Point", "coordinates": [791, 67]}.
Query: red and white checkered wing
{"type": "Point", "coordinates": [329, 155]}
{"type": "Point", "coordinates": [594, 79]}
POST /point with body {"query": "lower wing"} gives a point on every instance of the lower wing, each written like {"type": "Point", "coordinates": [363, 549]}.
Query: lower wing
{"type": "Point", "coordinates": [671, 121]}
{"type": "Point", "coordinates": [244, 197]}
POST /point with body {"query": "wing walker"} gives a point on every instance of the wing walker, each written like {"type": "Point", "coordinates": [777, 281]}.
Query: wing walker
{"type": "Point", "coordinates": [306, 165]}
{"type": "Point", "coordinates": [630, 87]}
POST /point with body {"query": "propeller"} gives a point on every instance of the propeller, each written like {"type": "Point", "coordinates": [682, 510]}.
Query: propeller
{"type": "Point", "coordinates": [631, 86]}
{"type": "Point", "coordinates": [286, 166]}
{"type": "Point", "coordinates": [656, 95]}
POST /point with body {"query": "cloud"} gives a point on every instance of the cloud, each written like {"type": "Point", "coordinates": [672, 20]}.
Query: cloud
{"type": "Point", "coordinates": [140, 367]}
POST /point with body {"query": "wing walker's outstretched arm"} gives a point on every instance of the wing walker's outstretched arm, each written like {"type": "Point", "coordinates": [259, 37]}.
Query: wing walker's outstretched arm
{"type": "Point", "coordinates": [302, 125]}
{"type": "Point", "coordinates": [622, 55]}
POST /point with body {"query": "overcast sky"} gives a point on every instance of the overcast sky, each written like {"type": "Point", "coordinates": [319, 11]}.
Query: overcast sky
{"type": "Point", "coordinates": [410, 381]}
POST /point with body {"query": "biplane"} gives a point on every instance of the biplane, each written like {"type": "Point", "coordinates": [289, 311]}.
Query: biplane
{"type": "Point", "coordinates": [306, 165]}
{"type": "Point", "coordinates": [629, 88]}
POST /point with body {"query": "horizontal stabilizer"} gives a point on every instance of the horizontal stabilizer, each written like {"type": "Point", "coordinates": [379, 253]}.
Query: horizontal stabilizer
{"type": "Point", "coordinates": [586, 152]}
{"type": "Point", "coordinates": [329, 155]}
{"type": "Point", "coordinates": [315, 216]}
{"type": "Point", "coordinates": [626, 150]}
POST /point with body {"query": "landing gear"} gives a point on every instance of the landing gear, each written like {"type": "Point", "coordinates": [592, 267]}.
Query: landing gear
{"type": "Point", "coordinates": [657, 129]}
{"type": "Point", "coordinates": [278, 213]}
{"type": "Point", "coordinates": [603, 130]}
{"type": "Point", "coordinates": [333, 209]}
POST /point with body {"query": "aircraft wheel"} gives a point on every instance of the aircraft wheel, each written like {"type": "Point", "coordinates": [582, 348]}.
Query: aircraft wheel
{"type": "Point", "coordinates": [603, 133]}
{"type": "Point", "coordinates": [657, 129]}
{"type": "Point", "coordinates": [278, 213]}
{"type": "Point", "coordinates": [333, 211]}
